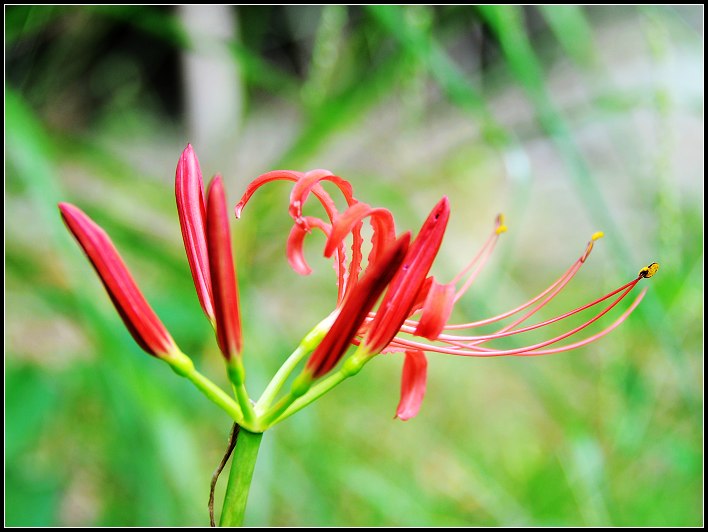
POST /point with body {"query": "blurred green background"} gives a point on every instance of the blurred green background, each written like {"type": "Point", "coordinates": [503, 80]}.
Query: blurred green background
{"type": "Point", "coordinates": [569, 120]}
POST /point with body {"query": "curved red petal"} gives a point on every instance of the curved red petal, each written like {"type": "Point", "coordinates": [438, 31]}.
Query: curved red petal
{"type": "Point", "coordinates": [223, 271]}
{"type": "Point", "coordinates": [310, 183]}
{"type": "Point", "coordinates": [189, 193]}
{"type": "Point", "coordinates": [436, 310]}
{"type": "Point", "coordinates": [142, 322]}
{"type": "Point", "coordinates": [296, 257]}
{"type": "Point", "coordinates": [345, 223]}
{"type": "Point", "coordinates": [287, 175]}
{"type": "Point", "coordinates": [263, 179]}
{"type": "Point", "coordinates": [384, 232]}
{"type": "Point", "coordinates": [413, 382]}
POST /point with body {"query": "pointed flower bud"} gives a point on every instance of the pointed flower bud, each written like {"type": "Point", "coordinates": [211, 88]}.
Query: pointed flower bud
{"type": "Point", "coordinates": [189, 192]}
{"type": "Point", "coordinates": [223, 272]}
{"type": "Point", "coordinates": [142, 322]}
{"type": "Point", "coordinates": [405, 286]}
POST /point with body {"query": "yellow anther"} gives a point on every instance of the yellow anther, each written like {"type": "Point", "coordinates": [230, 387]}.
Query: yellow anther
{"type": "Point", "coordinates": [597, 236]}
{"type": "Point", "coordinates": [501, 228]}
{"type": "Point", "coordinates": [649, 271]}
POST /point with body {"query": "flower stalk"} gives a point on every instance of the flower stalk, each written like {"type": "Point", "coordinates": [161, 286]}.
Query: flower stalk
{"type": "Point", "coordinates": [243, 462]}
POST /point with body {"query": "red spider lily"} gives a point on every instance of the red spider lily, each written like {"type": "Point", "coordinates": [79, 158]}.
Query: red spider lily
{"type": "Point", "coordinates": [223, 274]}
{"type": "Point", "coordinates": [412, 293]}
{"type": "Point", "coordinates": [189, 192]}
{"type": "Point", "coordinates": [142, 322]}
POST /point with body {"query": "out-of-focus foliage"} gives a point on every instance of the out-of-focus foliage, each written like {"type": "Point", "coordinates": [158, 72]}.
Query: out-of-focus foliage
{"type": "Point", "coordinates": [567, 119]}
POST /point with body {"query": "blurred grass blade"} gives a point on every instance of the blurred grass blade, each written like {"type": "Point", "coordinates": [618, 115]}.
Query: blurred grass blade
{"type": "Point", "coordinates": [571, 28]}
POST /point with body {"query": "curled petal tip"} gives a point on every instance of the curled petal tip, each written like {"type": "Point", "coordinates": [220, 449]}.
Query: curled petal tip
{"type": "Point", "coordinates": [649, 271]}
{"type": "Point", "coordinates": [238, 209]}
{"type": "Point", "coordinates": [296, 257]}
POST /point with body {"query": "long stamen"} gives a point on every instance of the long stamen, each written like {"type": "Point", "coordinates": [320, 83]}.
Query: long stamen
{"type": "Point", "coordinates": [561, 281]}
{"type": "Point", "coordinates": [474, 260]}
{"type": "Point", "coordinates": [482, 257]}
{"type": "Point", "coordinates": [464, 350]}
{"type": "Point", "coordinates": [470, 341]}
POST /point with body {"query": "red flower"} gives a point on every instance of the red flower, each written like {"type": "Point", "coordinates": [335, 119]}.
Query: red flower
{"type": "Point", "coordinates": [394, 326]}
{"type": "Point", "coordinates": [142, 322]}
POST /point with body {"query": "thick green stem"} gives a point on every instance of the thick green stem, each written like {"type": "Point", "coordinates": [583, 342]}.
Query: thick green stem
{"type": "Point", "coordinates": [243, 462]}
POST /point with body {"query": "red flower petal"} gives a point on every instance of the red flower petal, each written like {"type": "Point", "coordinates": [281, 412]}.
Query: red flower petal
{"type": "Point", "coordinates": [381, 221]}
{"type": "Point", "coordinates": [286, 175]}
{"type": "Point", "coordinates": [436, 310]}
{"type": "Point", "coordinates": [355, 309]}
{"type": "Point", "coordinates": [310, 182]}
{"type": "Point", "coordinates": [142, 322]}
{"type": "Point", "coordinates": [223, 272]}
{"type": "Point", "coordinates": [189, 192]}
{"type": "Point", "coordinates": [405, 286]}
{"type": "Point", "coordinates": [413, 382]}
{"type": "Point", "coordinates": [296, 239]}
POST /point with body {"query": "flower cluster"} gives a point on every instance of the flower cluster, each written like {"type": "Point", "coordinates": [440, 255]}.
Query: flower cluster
{"type": "Point", "coordinates": [413, 316]}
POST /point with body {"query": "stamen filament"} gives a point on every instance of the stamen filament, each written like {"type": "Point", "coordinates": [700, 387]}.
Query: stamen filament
{"type": "Point", "coordinates": [563, 279]}
{"type": "Point", "coordinates": [509, 331]}
{"type": "Point", "coordinates": [475, 272]}
{"type": "Point", "coordinates": [483, 352]}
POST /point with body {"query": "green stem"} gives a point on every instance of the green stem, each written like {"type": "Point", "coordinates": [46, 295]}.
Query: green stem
{"type": "Point", "coordinates": [243, 462]}
{"type": "Point", "coordinates": [245, 402]}
{"type": "Point", "coordinates": [351, 367]}
{"type": "Point", "coordinates": [237, 376]}
{"type": "Point", "coordinates": [215, 394]}
{"type": "Point", "coordinates": [317, 391]}
{"type": "Point", "coordinates": [307, 345]}
{"type": "Point", "coordinates": [274, 413]}
{"type": "Point", "coordinates": [276, 384]}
